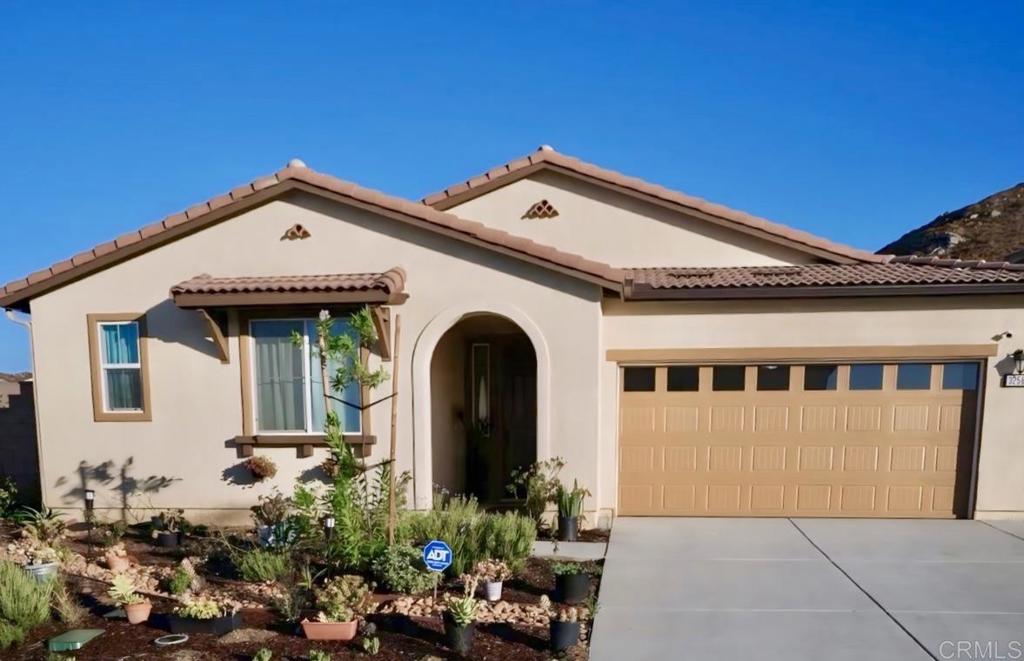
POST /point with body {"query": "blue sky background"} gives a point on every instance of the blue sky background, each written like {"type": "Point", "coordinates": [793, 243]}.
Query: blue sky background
{"type": "Point", "coordinates": [855, 120]}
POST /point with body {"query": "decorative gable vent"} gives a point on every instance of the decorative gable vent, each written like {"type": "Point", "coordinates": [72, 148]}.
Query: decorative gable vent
{"type": "Point", "coordinates": [295, 232]}
{"type": "Point", "coordinates": [542, 209]}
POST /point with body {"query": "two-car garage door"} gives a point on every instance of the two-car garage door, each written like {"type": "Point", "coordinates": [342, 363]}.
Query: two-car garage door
{"type": "Point", "coordinates": [853, 439]}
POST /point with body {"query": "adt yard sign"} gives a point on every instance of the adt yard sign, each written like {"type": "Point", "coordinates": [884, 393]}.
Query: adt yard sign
{"type": "Point", "coordinates": [437, 556]}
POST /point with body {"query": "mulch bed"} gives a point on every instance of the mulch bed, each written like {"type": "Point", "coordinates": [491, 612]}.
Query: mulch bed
{"type": "Point", "coordinates": [401, 637]}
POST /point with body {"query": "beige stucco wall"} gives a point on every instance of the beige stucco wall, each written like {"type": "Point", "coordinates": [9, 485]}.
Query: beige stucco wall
{"type": "Point", "coordinates": [447, 383]}
{"type": "Point", "coordinates": [618, 229]}
{"type": "Point", "coordinates": [891, 321]}
{"type": "Point", "coordinates": [180, 458]}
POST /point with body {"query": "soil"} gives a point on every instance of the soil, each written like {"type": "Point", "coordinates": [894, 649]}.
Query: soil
{"type": "Point", "coordinates": [401, 637]}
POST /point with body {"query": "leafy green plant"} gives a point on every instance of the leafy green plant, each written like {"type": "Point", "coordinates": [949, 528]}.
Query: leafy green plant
{"type": "Point", "coordinates": [109, 534]}
{"type": "Point", "coordinates": [24, 603]}
{"type": "Point", "coordinates": [297, 596]}
{"type": "Point", "coordinates": [559, 568]}
{"type": "Point", "coordinates": [570, 501]}
{"type": "Point", "coordinates": [122, 592]}
{"type": "Point", "coordinates": [463, 609]}
{"type": "Point", "coordinates": [179, 581]}
{"type": "Point", "coordinates": [400, 568]}
{"type": "Point", "coordinates": [171, 521]}
{"type": "Point", "coordinates": [205, 608]}
{"type": "Point", "coordinates": [66, 605]}
{"type": "Point", "coordinates": [260, 566]}
{"type": "Point", "coordinates": [343, 599]}
{"type": "Point", "coordinates": [319, 655]}
{"type": "Point", "coordinates": [8, 496]}
{"type": "Point", "coordinates": [263, 655]}
{"type": "Point", "coordinates": [371, 645]}
{"type": "Point", "coordinates": [537, 483]}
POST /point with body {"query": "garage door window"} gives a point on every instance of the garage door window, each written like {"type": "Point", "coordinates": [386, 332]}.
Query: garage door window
{"type": "Point", "coordinates": [820, 377]}
{"type": "Point", "coordinates": [728, 377]}
{"type": "Point", "coordinates": [684, 379]}
{"type": "Point", "coordinates": [866, 377]}
{"type": "Point", "coordinates": [960, 376]}
{"type": "Point", "coordinates": [914, 376]}
{"type": "Point", "coordinates": [638, 379]}
{"type": "Point", "coordinates": [773, 377]}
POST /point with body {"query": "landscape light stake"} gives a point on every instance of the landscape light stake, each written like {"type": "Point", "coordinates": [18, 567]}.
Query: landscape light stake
{"type": "Point", "coordinates": [329, 527]}
{"type": "Point", "coordinates": [90, 498]}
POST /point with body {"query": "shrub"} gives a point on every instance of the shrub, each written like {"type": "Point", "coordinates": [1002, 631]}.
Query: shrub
{"type": "Point", "coordinates": [66, 605]}
{"type": "Point", "coordinates": [343, 599]}
{"type": "Point", "coordinates": [179, 582]}
{"type": "Point", "coordinates": [10, 634]}
{"type": "Point", "coordinates": [8, 497]}
{"type": "Point", "coordinates": [259, 565]}
{"type": "Point", "coordinates": [474, 535]}
{"type": "Point", "coordinates": [537, 484]}
{"type": "Point", "coordinates": [400, 569]}
{"type": "Point", "coordinates": [24, 602]}
{"type": "Point", "coordinates": [261, 467]}
{"type": "Point", "coordinates": [271, 510]}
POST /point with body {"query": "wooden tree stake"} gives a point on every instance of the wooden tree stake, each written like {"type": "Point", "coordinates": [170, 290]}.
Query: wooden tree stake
{"type": "Point", "coordinates": [392, 467]}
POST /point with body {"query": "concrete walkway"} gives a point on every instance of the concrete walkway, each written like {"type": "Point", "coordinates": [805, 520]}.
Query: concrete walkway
{"type": "Point", "coordinates": [816, 589]}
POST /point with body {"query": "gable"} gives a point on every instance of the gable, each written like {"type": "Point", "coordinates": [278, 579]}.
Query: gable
{"type": "Point", "coordinates": [583, 217]}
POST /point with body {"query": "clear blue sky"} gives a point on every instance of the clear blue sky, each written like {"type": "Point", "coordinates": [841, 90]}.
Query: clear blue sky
{"type": "Point", "coordinates": [856, 121]}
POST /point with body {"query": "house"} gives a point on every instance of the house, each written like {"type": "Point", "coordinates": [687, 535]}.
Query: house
{"type": "Point", "coordinates": [684, 358]}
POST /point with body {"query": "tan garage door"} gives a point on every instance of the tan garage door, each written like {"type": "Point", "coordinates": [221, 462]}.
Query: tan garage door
{"type": "Point", "coordinates": [864, 440]}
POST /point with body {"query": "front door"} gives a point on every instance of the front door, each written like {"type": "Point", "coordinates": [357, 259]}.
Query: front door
{"type": "Point", "coordinates": [501, 412]}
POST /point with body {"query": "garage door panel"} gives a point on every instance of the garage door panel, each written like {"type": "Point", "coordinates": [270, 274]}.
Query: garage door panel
{"type": "Point", "coordinates": [836, 452]}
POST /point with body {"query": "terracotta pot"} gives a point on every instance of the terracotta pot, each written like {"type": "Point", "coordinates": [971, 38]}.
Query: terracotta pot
{"type": "Point", "coordinates": [330, 630]}
{"type": "Point", "coordinates": [138, 613]}
{"type": "Point", "coordinates": [117, 563]}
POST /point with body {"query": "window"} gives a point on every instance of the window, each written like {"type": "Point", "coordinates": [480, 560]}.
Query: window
{"type": "Point", "coordinates": [866, 377]}
{"type": "Point", "coordinates": [820, 377]}
{"type": "Point", "coordinates": [960, 376]}
{"type": "Point", "coordinates": [773, 377]}
{"type": "Point", "coordinates": [638, 379]}
{"type": "Point", "coordinates": [120, 383]}
{"type": "Point", "coordinates": [683, 379]}
{"type": "Point", "coordinates": [289, 390]}
{"type": "Point", "coordinates": [913, 376]}
{"type": "Point", "coordinates": [728, 377]}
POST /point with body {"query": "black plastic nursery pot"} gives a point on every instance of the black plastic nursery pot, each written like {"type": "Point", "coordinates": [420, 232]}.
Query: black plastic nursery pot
{"type": "Point", "coordinates": [564, 635]}
{"type": "Point", "coordinates": [572, 588]}
{"type": "Point", "coordinates": [457, 638]}
{"type": "Point", "coordinates": [217, 625]}
{"type": "Point", "coordinates": [168, 540]}
{"type": "Point", "coordinates": [568, 528]}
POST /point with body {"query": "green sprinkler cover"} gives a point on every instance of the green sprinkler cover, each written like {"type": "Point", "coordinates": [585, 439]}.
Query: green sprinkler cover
{"type": "Point", "coordinates": [73, 640]}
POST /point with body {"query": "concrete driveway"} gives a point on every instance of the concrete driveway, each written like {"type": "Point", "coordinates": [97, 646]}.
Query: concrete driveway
{"type": "Point", "coordinates": [821, 589]}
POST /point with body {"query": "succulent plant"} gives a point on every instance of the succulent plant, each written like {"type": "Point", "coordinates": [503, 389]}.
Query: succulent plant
{"type": "Point", "coordinates": [122, 592]}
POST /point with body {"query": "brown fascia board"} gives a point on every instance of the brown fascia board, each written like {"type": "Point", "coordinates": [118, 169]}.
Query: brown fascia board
{"type": "Point", "coordinates": [842, 291]}
{"type": "Point", "coordinates": [17, 294]}
{"type": "Point", "coordinates": [547, 158]}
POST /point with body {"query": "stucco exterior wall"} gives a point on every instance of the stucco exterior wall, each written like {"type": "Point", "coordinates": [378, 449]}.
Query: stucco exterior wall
{"type": "Point", "coordinates": [618, 229]}
{"type": "Point", "coordinates": [838, 322]}
{"type": "Point", "coordinates": [183, 457]}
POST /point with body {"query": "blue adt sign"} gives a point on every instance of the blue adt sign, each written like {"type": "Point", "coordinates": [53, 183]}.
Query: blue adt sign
{"type": "Point", "coordinates": [437, 556]}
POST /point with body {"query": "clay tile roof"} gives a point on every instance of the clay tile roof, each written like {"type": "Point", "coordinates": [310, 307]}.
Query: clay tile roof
{"type": "Point", "coordinates": [925, 274]}
{"type": "Point", "coordinates": [545, 156]}
{"type": "Point", "coordinates": [391, 281]}
{"type": "Point", "coordinates": [17, 293]}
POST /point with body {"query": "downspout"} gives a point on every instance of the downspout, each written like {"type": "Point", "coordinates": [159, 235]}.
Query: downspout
{"type": "Point", "coordinates": [27, 325]}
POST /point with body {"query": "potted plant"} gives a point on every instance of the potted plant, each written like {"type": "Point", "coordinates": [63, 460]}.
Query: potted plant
{"type": "Point", "coordinates": [43, 562]}
{"type": "Point", "coordinates": [135, 606]}
{"type": "Point", "coordinates": [169, 527]}
{"type": "Point", "coordinates": [570, 508]}
{"type": "Point", "coordinates": [205, 615]}
{"type": "Point", "coordinates": [565, 628]}
{"type": "Point", "coordinates": [493, 573]}
{"type": "Point", "coordinates": [459, 616]}
{"type": "Point", "coordinates": [271, 516]}
{"type": "Point", "coordinates": [117, 558]}
{"type": "Point", "coordinates": [572, 581]}
{"type": "Point", "coordinates": [261, 467]}
{"type": "Point", "coordinates": [341, 602]}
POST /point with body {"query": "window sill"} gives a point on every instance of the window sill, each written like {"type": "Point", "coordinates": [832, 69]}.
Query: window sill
{"type": "Point", "coordinates": [303, 442]}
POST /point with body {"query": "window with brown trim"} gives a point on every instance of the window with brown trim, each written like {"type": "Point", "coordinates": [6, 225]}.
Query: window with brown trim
{"type": "Point", "coordinates": [119, 362]}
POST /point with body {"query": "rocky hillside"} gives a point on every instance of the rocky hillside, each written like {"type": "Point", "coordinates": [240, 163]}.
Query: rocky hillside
{"type": "Point", "coordinates": [991, 229]}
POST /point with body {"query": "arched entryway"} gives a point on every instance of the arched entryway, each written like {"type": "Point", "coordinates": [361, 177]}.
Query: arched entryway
{"type": "Point", "coordinates": [480, 382]}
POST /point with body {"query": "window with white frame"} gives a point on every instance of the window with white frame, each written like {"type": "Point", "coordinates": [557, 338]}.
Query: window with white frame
{"type": "Point", "coordinates": [120, 366]}
{"type": "Point", "coordinates": [289, 390]}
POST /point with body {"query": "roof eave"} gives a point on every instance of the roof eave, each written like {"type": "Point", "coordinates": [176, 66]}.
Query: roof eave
{"type": "Point", "coordinates": [645, 293]}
